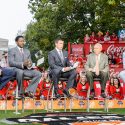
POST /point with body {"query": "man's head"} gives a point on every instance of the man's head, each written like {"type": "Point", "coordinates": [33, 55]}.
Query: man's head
{"type": "Point", "coordinates": [59, 43]}
{"type": "Point", "coordinates": [97, 48]}
{"type": "Point", "coordinates": [20, 41]}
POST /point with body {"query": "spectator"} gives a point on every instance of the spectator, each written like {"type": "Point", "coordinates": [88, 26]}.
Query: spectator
{"type": "Point", "coordinates": [114, 37]}
{"type": "Point", "coordinates": [4, 59]}
{"type": "Point", "coordinates": [100, 37]}
{"type": "Point", "coordinates": [116, 91]}
{"type": "Point", "coordinates": [109, 87]}
{"type": "Point", "coordinates": [107, 37]}
{"type": "Point", "coordinates": [82, 87]}
{"type": "Point", "coordinates": [86, 38]}
{"type": "Point", "coordinates": [93, 37]}
{"type": "Point", "coordinates": [61, 86]}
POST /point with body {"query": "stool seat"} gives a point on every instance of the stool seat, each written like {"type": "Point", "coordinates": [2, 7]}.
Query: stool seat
{"type": "Point", "coordinates": [63, 79]}
{"type": "Point", "coordinates": [25, 78]}
{"type": "Point", "coordinates": [97, 79]}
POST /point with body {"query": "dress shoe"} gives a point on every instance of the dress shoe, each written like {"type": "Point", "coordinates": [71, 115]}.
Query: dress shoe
{"type": "Point", "coordinates": [92, 94]}
{"type": "Point", "coordinates": [67, 93]}
{"type": "Point", "coordinates": [103, 94]}
{"type": "Point", "coordinates": [31, 95]}
{"type": "Point", "coordinates": [28, 94]}
{"type": "Point", "coordinates": [56, 94]}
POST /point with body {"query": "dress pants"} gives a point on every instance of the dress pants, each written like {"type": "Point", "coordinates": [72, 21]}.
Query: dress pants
{"type": "Point", "coordinates": [102, 75]}
{"type": "Point", "coordinates": [33, 74]}
{"type": "Point", "coordinates": [70, 75]}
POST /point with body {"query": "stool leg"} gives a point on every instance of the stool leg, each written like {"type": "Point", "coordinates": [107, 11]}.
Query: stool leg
{"type": "Point", "coordinates": [52, 98]}
{"type": "Point", "coordinates": [70, 105]}
{"type": "Point", "coordinates": [33, 105]}
{"type": "Point", "coordinates": [106, 105]}
{"type": "Point", "coordinates": [48, 97]}
{"type": "Point", "coordinates": [16, 110]}
{"type": "Point", "coordinates": [23, 104]}
{"type": "Point", "coordinates": [88, 102]}
{"type": "Point", "coordinates": [65, 102]}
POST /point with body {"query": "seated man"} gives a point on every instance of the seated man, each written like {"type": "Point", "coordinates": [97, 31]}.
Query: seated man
{"type": "Point", "coordinates": [122, 73]}
{"type": "Point", "coordinates": [6, 74]}
{"type": "Point", "coordinates": [20, 58]}
{"type": "Point", "coordinates": [61, 67]}
{"type": "Point", "coordinates": [97, 66]}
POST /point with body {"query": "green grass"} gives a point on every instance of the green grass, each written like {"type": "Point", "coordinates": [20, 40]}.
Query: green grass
{"type": "Point", "coordinates": [10, 114]}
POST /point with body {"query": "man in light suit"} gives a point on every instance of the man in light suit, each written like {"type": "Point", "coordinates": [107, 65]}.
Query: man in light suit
{"type": "Point", "coordinates": [97, 66]}
{"type": "Point", "coordinates": [20, 58]}
{"type": "Point", "coordinates": [61, 67]}
{"type": "Point", "coordinates": [122, 73]}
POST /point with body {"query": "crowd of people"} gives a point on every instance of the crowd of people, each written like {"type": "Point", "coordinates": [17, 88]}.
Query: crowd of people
{"type": "Point", "coordinates": [100, 37]}
{"type": "Point", "coordinates": [19, 65]}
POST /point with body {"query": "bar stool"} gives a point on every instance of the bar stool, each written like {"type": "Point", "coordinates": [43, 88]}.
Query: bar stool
{"type": "Point", "coordinates": [88, 98]}
{"type": "Point", "coordinates": [51, 97]}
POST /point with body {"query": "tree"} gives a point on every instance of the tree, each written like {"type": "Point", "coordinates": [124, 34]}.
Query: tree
{"type": "Point", "coordinates": [71, 19]}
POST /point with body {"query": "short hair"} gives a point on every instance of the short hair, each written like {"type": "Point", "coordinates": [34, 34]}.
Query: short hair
{"type": "Point", "coordinates": [57, 40]}
{"type": "Point", "coordinates": [99, 45]}
{"type": "Point", "coordinates": [17, 38]}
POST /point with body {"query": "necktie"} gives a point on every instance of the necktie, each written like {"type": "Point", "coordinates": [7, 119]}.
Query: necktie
{"type": "Point", "coordinates": [21, 51]}
{"type": "Point", "coordinates": [97, 66]}
{"type": "Point", "coordinates": [61, 56]}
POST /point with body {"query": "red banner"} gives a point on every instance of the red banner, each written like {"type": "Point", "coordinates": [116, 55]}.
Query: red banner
{"type": "Point", "coordinates": [107, 47]}
{"type": "Point", "coordinates": [77, 49]}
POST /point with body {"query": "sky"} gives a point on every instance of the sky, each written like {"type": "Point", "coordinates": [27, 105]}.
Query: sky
{"type": "Point", "coordinates": [14, 16]}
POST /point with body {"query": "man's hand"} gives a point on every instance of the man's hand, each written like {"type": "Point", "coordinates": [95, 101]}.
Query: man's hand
{"type": "Point", "coordinates": [29, 63]}
{"type": "Point", "coordinates": [67, 69]}
{"type": "Point", "coordinates": [25, 63]}
{"type": "Point", "coordinates": [90, 69]}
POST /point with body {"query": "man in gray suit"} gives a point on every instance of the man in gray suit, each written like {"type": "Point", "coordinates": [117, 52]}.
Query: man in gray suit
{"type": "Point", "coordinates": [97, 66]}
{"type": "Point", "coordinates": [61, 67]}
{"type": "Point", "coordinates": [20, 58]}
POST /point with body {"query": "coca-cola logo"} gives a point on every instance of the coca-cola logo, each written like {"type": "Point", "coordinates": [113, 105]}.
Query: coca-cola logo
{"type": "Point", "coordinates": [113, 48]}
{"type": "Point", "coordinates": [78, 49]}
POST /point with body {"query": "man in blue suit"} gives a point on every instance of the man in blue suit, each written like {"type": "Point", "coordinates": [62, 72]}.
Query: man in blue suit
{"type": "Point", "coordinates": [6, 75]}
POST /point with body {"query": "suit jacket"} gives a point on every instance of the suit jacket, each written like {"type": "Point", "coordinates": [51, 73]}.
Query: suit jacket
{"type": "Point", "coordinates": [55, 63]}
{"type": "Point", "coordinates": [15, 58]}
{"type": "Point", "coordinates": [103, 62]}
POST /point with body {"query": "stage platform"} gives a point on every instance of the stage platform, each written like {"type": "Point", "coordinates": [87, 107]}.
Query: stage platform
{"type": "Point", "coordinates": [59, 104]}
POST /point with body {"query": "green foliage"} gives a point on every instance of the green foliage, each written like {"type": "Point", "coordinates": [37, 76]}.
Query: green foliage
{"type": "Point", "coordinates": [71, 19]}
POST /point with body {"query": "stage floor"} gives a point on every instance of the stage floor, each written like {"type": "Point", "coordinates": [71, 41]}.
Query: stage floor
{"type": "Point", "coordinates": [69, 118]}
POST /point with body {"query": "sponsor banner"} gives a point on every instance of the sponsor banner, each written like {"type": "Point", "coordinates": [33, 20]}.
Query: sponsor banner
{"type": "Point", "coordinates": [59, 104]}
{"type": "Point", "coordinates": [108, 47]}
{"type": "Point", "coordinates": [77, 49]}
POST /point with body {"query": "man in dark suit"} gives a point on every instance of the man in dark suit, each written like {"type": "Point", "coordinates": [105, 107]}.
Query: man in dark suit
{"type": "Point", "coordinates": [61, 67]}
{"type": "Point", "coordinates": [20, 58]}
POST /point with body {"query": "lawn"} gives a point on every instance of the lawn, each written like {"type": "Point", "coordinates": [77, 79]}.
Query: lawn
{"type": "Point", "coordinates": [10, 114]}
